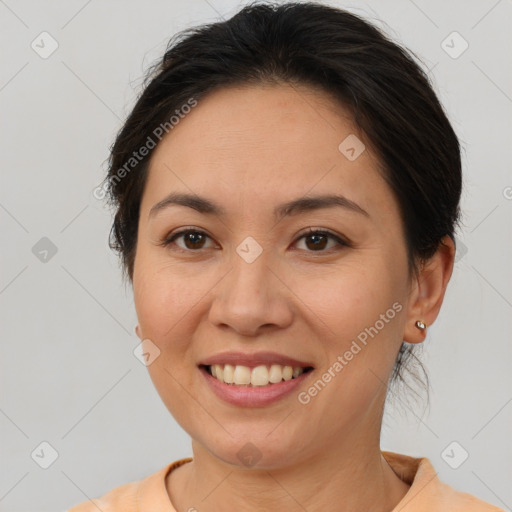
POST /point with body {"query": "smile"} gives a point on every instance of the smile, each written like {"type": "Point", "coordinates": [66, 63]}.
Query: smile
{"type": "Point", "coordinates": [262, 375]}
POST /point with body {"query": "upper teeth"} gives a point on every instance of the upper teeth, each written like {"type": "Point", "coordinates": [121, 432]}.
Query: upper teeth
{"type": "Point", "coordinates": [257, 376]}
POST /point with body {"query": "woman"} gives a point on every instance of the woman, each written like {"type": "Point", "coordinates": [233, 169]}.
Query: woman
{"type": "Point", "coordinates": [286, 189]}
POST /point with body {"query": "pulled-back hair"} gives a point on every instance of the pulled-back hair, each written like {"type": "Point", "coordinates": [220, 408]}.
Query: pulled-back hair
{"type": "Point", "coordinates": [331, 50]}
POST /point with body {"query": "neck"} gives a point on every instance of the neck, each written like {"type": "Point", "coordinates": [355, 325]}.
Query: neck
{"type": "Point", "coordinates": [354, 475]}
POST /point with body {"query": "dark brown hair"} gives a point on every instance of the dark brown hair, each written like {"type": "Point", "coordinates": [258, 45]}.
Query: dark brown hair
{"type": "Point", "coordinates": [329, 49]}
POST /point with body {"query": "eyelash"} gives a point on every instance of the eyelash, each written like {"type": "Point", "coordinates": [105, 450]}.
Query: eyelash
{"type": "Point", "coordinates": [311, 231]}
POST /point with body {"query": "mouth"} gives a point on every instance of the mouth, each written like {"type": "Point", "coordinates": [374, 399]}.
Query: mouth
{"type": "Point", "coordinates": [254, 376]}
{"type": "Point", "coordinates": [254, 380]}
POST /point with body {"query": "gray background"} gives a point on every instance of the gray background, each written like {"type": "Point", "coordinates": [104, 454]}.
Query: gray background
{"type": "Point", "coordinates": [68, 373]}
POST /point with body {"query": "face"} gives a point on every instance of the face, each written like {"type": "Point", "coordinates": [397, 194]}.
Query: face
{"type": "Point", "coordinates": [239, 279]}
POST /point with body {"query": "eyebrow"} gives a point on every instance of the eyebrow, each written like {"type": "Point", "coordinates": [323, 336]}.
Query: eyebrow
{"type": "Point", "coordinates": [294, 207]}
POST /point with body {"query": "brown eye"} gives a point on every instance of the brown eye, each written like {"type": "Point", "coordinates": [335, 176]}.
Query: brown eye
{"type": "Point", "coordinates": [314, 240]}
{"type": "Point", "coordinates": [318, 241]}
{"type": "Point", "coordinates": [192, 239]}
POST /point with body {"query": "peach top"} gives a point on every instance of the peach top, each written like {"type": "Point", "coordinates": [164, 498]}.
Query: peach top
{"type": "Point", "coordinates": [426, 494]}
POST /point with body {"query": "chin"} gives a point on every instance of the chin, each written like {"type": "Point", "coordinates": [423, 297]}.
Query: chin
{"type": "Point", "coordinates": [251, 451]}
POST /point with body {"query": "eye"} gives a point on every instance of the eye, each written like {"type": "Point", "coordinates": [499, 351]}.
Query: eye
{"type": "Point", "coordinates": [193, 239]}
{"type": "Point", "coordinates": [316, 240]}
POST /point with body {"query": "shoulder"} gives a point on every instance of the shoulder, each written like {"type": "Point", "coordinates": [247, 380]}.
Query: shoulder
{"type": "Point", "coordinates": [427, 492]}
{"type": "Point", "coordinates": [123, 498]}
{"type": "Point", "coordinates": [457, 501]}
{"type": "Point", "coordinates": [148, 492]}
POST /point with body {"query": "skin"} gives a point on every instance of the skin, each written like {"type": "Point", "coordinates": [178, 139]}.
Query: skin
{"type": "Point", "coordinates": [249, 149]}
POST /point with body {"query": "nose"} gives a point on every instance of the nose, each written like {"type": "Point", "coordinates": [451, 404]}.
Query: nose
{"type": "Point", "coordinates": [251, 299]}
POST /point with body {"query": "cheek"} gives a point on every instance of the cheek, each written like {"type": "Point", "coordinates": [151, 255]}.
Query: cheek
{"type": "Point", "coordinates": [163, 299]}
{"type": "Point", "coordinates": [358, 319]}
{"type": "Point", "coordinates": [169, 304]}
{"type": "Point", "coordinates": [164, 319]}
{"type": "Point", "coordinates": [164, 303]}
{"type": "Point", "coordinates": [355, 311]}
{"type": "Point", "coordinates": [348, 298]}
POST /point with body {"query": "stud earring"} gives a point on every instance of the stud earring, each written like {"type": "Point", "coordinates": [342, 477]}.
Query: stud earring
{"type": "Point", "coordinates": [420, 325]}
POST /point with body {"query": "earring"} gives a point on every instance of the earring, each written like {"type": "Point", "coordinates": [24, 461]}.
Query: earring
{"type": "Point", "coordinates": [420, 325]}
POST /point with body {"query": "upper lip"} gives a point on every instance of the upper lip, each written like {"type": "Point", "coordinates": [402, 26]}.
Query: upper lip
{"type": "Point", "coordinates": [251, 360]}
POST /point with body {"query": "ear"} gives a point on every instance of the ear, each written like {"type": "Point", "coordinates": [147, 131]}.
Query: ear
{"type": "Point", "coordinates": [137, 332]}
{"type": "Point", "coordinates": [428, 289]}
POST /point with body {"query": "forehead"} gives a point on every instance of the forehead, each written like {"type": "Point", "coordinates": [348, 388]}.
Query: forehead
{"type": "Point", "coordinates": [274, 142]}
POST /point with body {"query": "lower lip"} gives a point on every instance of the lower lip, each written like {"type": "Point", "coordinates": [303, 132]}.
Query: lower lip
{"type": "Point", "coordinates": [257, 396]}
